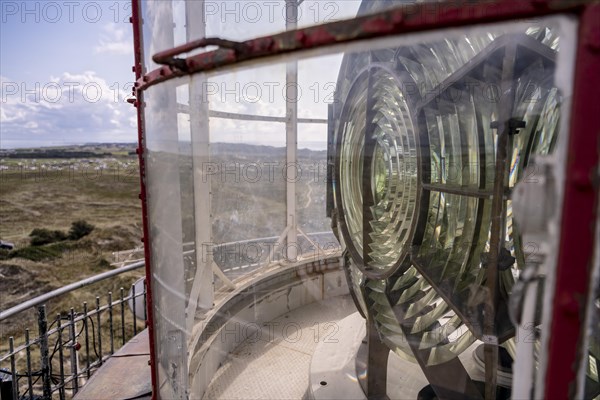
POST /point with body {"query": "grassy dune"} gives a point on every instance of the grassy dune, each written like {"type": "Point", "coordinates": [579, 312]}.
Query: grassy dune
{"type": "Point", "coordinates": [51, 194]}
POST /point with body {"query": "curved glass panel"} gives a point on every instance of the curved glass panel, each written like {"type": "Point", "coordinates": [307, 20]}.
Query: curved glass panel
{"type": "Point", "coordinates": [410, 147]}
{"type": "Point", "coordinates": [169, 187]}
{"type": "Point", "coordinates": [481, 107]}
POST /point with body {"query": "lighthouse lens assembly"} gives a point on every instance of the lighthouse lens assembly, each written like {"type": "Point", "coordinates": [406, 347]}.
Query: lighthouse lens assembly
{"type": "Point", "coordinates": [378, 136]}
{"type": "Point", "coordinates": [424, 133]}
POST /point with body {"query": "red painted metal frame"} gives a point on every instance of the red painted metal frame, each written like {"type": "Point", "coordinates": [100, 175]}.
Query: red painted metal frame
{"type": "Point", "coordinates": [581, 186]}
{"type": "Point", "coordinates": [138, 103]}
{"type": "Point", "coordinates": [404, 19]}
{"type": "Point", "coordinates": [575, 255]}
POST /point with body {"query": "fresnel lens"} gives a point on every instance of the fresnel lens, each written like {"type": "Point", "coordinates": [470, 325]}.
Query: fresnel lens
{"type": "Point", "coordinates": [428, 142]}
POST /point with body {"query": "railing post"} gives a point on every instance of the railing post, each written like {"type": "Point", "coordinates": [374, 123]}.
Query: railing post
{"type": "Point", "coordinates": [43, 330]}
{"type": "Point", "coordinates": [28, 356]}
{"type": "Point", "coordinates": [122, 319]}
{"type": "Point", "coordinates": [13, 368]}
{"type": "Point", "coordinates": [72, 335]}
{"type": "Point", "coordinates": [61, 366]}
{"type": "Point", "coordinates": [110, 323]}
{"type": "Point", "coordinates": [133, 309]}
{"type": "Point", "coordinates": [99, 322]}
{"type": "Point", "coordinates": [87, 339]}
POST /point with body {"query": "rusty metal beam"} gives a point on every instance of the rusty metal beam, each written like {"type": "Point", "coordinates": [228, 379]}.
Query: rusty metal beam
{"type": "Point", "coordinates": [138, 102]}
{"type": "Point", "coordinates": [402, 19]}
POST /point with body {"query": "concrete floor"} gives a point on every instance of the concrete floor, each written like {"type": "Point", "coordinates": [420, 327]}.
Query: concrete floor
{"type": "Point", "coordinates": [275, 364]}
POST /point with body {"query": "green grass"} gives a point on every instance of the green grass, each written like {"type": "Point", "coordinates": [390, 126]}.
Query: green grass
{"type": "Point", "coordinates": [36, 253]}
{"type": "Point", "coordinates": [109, 201]}
{"type": "Point", "coordinates": [29, 200]}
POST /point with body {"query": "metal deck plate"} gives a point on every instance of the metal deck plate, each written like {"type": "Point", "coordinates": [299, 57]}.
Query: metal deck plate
{"type": "Point", "coordinates": [275, 363]}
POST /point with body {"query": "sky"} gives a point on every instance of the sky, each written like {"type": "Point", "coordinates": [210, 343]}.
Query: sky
{"type": "Point", "coordinates": [65, 73]}
{"type": "Point", "coordinates": [65, 68]}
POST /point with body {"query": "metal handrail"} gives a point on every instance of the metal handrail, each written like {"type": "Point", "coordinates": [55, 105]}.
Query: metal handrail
{"type": "Point", "coordinates": [76, 361]}
{"type": "Point", "coordinates": [68, 288]}
{"type": "Point", "coordinates": [105, 275]}
{"type": "Point", "coordinates": [69, 382]}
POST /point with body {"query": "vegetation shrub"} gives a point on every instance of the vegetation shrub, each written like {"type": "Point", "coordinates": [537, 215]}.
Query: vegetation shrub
{"type": "Point", "coordinates": [42, 236]}
{"type": "Point", "coordinates": [47, 244]}
{"type": "Point", "coordinates": [36, 253]}
{"type": "Point", "coordinates": [80, 229]}
{"type": "Point", "coordinates": [101, 265]}
{"type": "Point", "coordinates": [46, 252]}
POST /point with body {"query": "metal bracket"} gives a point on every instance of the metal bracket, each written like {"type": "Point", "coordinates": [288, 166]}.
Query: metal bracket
{"type": "Point", "coordinates": [167, 57]}
{"type": "Point", "coordinates": [490, 339]}
{"type": "Point", "coordinates": [514, 125]}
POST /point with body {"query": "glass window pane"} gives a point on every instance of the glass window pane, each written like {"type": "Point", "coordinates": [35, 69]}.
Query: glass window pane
{"type": "Point", "coordinates": [412, 130]}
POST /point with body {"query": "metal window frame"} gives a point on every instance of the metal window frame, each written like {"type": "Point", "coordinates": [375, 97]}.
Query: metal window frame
{"type": "Point", "coordinates": [576, 245]}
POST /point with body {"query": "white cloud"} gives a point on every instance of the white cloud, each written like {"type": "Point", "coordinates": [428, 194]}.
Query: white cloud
{"type": "Point", "coordinates": [115, 39]}
{"type": "Point", "coordinates": [114, 48]}
{"type": "Point", "coordinates": [72, 108]}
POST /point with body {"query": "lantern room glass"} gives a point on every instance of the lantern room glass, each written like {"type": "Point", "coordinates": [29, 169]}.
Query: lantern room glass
{"type": "Point", "coordinates": [230, 189]}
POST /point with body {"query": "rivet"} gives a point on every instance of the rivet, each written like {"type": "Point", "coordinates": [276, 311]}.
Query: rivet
{"type": "Point", "coordinates": [569, 305]}
{"type": "Point", "coordinates": [581, 181]}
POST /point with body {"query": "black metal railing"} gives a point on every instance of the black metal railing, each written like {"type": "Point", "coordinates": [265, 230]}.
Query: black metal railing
{"type": "Point", "coordinates": [69, 347]}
